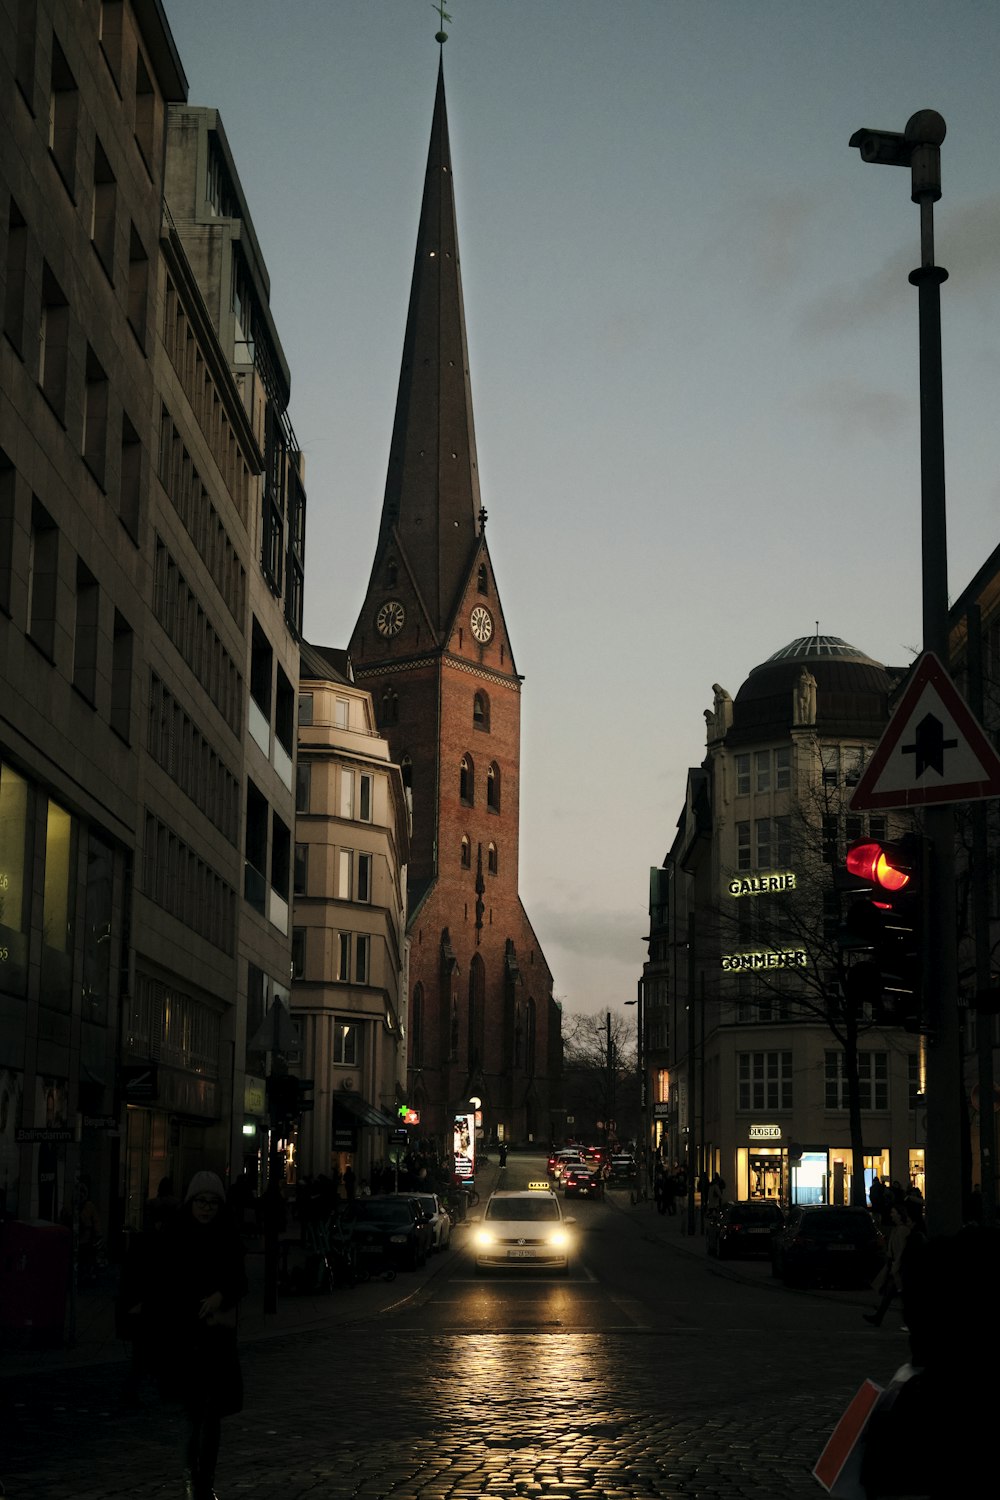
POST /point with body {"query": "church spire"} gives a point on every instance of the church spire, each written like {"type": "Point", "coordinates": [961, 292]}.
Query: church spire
{"type": "Point", "coordinates": [432, 487]}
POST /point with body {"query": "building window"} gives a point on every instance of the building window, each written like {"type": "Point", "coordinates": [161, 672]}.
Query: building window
{"type": "Point", "coordinates": [17, 260]}
{"type": "Point", "coordinates": [873, 1079]}
{"type": "Point", "coordinates": [466, 856]}
{"type": "Point", "coordinates": [281, 848]}
{"type": "Point", "coordinates": [14, 826]}
{"type": "Point", "coordinates": [303, 785]}
{"type": "Point", "coordinates": [482, 579]}
{"type": "Point", "coordinates": [301, 869]}
{"type": "Point", "coordinates": [85, 639]}
{"type": "Point", "coordinates": [362, 954]}
{"type": "Point", "coordinates": [343, 970]}
{"type": "Point", "coordinates": [255, 851]}
{"type": "Point", "coordinates": [491, 859]}
{"type": "Point", "coordinates": [764, 1080]}
{"type": "Point", "coordinates": [43, 578]}
{"type": "Point", "coordinates": [782, 828]}
{"type": "Point", "coordinates": [481, 712]}
{"type": "Point", "coordinates": [8, 487]}
{"type": "Point", "coordinates": [64, 105]}
{"type": "Point", "coordinates": [346, 1043]}
{"type": "Point", "coordinates": [346, 793]}
{"type": "Point", "coordinates": [138, 285]}
{"type": "Point", "coordinates": [744, 857]}
{"type": "Point", "coordinates": [342, 713]}
{"type": "Point", "coordinates": [467, 781]}
{"type": "Point", "coordinates": [131, 479]}
{"type": "Point", "coordinates": [762, 760]}
{"type": "Point", "coordinates": [95, 418]}
{"type": "Point", "coordinates": [830, 838]}
{"type": "Point", "coordinates": [305, 708]}
{"type": "Point", "coordinates": [145, 112]}
{"type": "Point", "coordinates": [762, 830]}
{"type": "Point", "coordinates": [110, 34]}
{"type": "Point", "coordinates": [783, 768]}
{"type": "Point", "coordinates": [389, 713]}
{"type": "Point", "coordinates": [365, 797]}
{"type": "Point", "coordinates": [121, 679]}
{"type": "Point", "coordinates": [493, 788]}
{"type": "Point", "coordinates": [830, 762]}
{"type": "Point", "coordinates": [298, 953]}
{"type": "Point", "coordinates": [743, 775]}
{"type": "Point", "coordinates": [53, 343]}
{"type": "Point", "coordinates": [103, 212]}
{"type": "Point", "coordinates": [364, 877]}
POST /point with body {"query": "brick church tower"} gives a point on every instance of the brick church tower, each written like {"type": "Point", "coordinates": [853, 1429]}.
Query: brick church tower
{"type": "Point", "coordinates": [431, 646]}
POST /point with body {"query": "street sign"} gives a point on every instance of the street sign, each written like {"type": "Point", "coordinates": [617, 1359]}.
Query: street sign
{"type": "Point", "coordinates": [932, 751]}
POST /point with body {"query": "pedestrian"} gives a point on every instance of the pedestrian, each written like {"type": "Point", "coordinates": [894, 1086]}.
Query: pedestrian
{"type": "Point", "coordinates": [716, 1191]}
{"type": "Point", "coordinates": [660, 1188]}
{"type": "Point", "coordinates": [503, 1153]}
{"type": "Point", "coordinates": [350, 1184]}
{"type": "Point", "coordinates": [197, 1282]}
{"type": "Point", "coordinates": [889, 1280]}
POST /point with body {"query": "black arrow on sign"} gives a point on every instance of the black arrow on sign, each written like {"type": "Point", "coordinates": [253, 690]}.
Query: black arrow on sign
{"type": "Point", "coordinates": [929, 746]}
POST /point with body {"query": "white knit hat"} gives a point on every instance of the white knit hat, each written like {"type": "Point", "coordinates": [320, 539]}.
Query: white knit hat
{"type": "Point", "coordinates": [205, 1185]}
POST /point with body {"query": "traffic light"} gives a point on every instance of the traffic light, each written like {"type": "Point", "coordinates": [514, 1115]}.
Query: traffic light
{"type": "Point", "coordinates": [886, 922]}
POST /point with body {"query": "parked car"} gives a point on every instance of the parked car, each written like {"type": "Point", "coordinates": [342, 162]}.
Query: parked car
{"type": "Point", "coordinates": [393, 1226]}
{"type": "Point", "coordinates": [563, 1159]}
{"type": "Point", "coordinates": [524, 1230]}
{"type": "Point", "coordinates": [437, 1215]}
{"type": "Point", "coordinates": [738, 1229]}
{"type": "Point", "coordinates": [827, 1244]}
{"type": "Point", "coordinates": [623, 1168]}
{"type": "Point", "coordinates": [584, 1181]}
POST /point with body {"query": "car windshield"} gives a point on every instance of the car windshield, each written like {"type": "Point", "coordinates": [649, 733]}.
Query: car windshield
{"type": "Point", "coordinates": [836, 1219]}
{"type": "Point", "coordinates": [530, 1210]}
{"type": "Point", "coordinates": [396, 1213]}
{"type": "Point", "coordinates": [761, 1213]}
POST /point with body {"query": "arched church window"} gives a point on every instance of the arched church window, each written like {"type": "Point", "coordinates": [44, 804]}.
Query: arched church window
{"type": "Point", "coordinates": [491, 859]}
{"type": "Point", "coordinates": [391, 572]}
{"type": "Point", "coordinates": [483, 580]}
{"type": "Point", "coordinates": [406, 767]}
{"type": "Point", "coordinates": [466, 852]}
{"type": "Point", "coordinates": [390, 707]}
{"type": "Point", "coordinates": [467, 780]}
{"type": "Point", "coordinates": [481, 711]}
{"type": "Point", "coordinates": [493, 788]}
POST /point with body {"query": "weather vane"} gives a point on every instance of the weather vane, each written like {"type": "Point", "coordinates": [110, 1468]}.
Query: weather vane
{"type": "Point", "coordinates": [442, 35]}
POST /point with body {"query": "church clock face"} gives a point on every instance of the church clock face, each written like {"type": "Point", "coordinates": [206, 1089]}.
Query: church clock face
{"type": "Point", "coordinates": [390, 619]}
{"type": "Point", "coordinates": [481, 624]}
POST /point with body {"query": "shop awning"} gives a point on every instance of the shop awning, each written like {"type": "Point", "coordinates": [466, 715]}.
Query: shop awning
{"type": "Point", "coordinates": [363, 1112]}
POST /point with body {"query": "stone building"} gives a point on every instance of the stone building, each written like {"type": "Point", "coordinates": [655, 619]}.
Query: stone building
{"type": "Point", "coordinates": [744, 1019]}
{"type": "Point", "coordinates": [148, 632]}
{"type": "Point", "coordinates": [349, 948]}
{"type": "Point", "coordinates": [432, 647]}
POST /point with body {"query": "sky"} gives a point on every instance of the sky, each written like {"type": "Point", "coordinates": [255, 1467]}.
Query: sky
{"type": "Point", "coordinates": [693, 351]}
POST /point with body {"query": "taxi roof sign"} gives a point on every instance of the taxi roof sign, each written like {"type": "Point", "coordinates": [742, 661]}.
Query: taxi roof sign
{"type": "Point", "coordinates": [539, 1187]}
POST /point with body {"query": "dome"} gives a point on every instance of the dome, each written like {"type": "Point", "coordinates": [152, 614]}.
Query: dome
{"type": "Point", "coordinates": [852, 692]}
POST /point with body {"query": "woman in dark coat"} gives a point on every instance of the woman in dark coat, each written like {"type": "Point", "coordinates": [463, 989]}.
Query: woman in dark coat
{"type": "Point", "coordinates": [199, 1280]}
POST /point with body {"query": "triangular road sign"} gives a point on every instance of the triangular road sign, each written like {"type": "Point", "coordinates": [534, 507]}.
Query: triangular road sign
{"type": "Point", "coordinates": [933, 750]}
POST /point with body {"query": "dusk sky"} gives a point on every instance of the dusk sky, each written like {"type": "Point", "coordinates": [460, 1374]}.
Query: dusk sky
{"type": "Point", "coordinates": [693, 351]}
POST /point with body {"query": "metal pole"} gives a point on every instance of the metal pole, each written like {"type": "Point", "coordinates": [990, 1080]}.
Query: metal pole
{"type": "Point", "coordinates": [944, 1057]}
{"type": "Point", "coordinates": [691, 1152]}
{"type": "Point", "coordinates": [979, 865]}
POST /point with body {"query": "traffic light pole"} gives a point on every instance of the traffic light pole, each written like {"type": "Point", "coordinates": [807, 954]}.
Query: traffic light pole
{"type": "Point", "coordinates": [919, 148]}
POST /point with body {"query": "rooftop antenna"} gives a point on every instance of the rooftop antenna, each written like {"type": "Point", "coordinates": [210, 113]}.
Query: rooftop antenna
{"type": "Point", "coordinates": [442, 35]}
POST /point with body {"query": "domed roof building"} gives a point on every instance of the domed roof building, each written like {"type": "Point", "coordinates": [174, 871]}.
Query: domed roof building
{"type": "Point", "coordinates": [745, 911]}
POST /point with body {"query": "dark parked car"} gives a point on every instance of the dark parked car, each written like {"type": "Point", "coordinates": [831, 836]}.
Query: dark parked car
{"type": "Point", "coordinates": [623, 1168]}
{"type": "Point", "coordinates": [742, 1228]}
{"type": "Point", "coordinates": [829, 1244]}
{"type": "Point", "coordinates": [393, 1229]}
{"type": "Point", "coordinates": [582, 1182]}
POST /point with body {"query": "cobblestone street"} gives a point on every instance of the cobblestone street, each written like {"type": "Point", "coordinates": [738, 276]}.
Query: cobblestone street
{"type": "Point", "coordinates": [728, 1391]}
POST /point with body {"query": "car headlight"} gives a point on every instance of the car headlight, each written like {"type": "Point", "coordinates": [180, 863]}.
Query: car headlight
{"type": "Point", "coordinates": [485, 1237]}
{"type": "Point", "coordinates": [559, 1239]}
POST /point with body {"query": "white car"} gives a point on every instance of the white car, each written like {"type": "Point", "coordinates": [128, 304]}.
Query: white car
{"type": "Point", "coordinates": [436, 1213]}
{"type": "Point", "coordinates": [524, 1229]}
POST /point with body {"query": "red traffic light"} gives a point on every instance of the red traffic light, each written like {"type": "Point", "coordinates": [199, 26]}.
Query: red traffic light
{"type": "Point", "coordinates": [884, 865]}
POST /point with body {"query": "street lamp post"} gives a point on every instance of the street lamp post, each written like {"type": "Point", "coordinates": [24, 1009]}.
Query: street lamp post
{"type": "Point", "coordinates": [640, 1057]}
{"type": "Point", "coordinates": [919, 148]}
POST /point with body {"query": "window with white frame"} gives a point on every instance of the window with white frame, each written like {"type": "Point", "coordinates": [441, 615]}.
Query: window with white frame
{"type": "Point", "coordinates": [764, 1080]}
{"type": "Point", "coordinates": [346, 1043]}
{"type": "Point", "coordinates": [873, 1078]}
{"type": "Point", "coordinates": [364, 886]}
{"type": "Point", "coordinates": [365, 797]}
{"type": "Point", "coordinates": [762, 767]}
{"type": "Point", "coordinates": [362, 957]}
{"type": "Point", "coordinates": [346, 792]}
{"type": "Point", "coordinates": [743, 774]}
{"type": "Point", "coordinates": [345, 873]}
{"type": "Point", "coordinates": [343, 957]}
{"type": "Point", "coordinates": [783, 768]}
{"type": "Point", "coordinates": [342, 713]}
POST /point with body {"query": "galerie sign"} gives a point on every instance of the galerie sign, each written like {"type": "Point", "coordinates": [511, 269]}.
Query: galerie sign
{"type": "Point", "coordinates": [761, 885]}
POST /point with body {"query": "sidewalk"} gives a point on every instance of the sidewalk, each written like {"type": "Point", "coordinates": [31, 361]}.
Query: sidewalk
{"type": "Point", "coordinates": [96, 1342]}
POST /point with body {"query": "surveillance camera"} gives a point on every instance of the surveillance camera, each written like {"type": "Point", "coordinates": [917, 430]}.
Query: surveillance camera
{"type": "Point", "coordinates": [888, 147]}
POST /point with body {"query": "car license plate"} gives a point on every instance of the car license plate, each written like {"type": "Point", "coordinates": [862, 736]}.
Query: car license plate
{"type": "Point", "coordinates": [758, 1231]}
{"type": "Point", "coordinates": [521, 1254]}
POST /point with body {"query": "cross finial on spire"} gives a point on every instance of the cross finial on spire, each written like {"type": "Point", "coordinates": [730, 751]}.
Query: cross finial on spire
{"type": "Point", "coordinates": [442, 35]}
